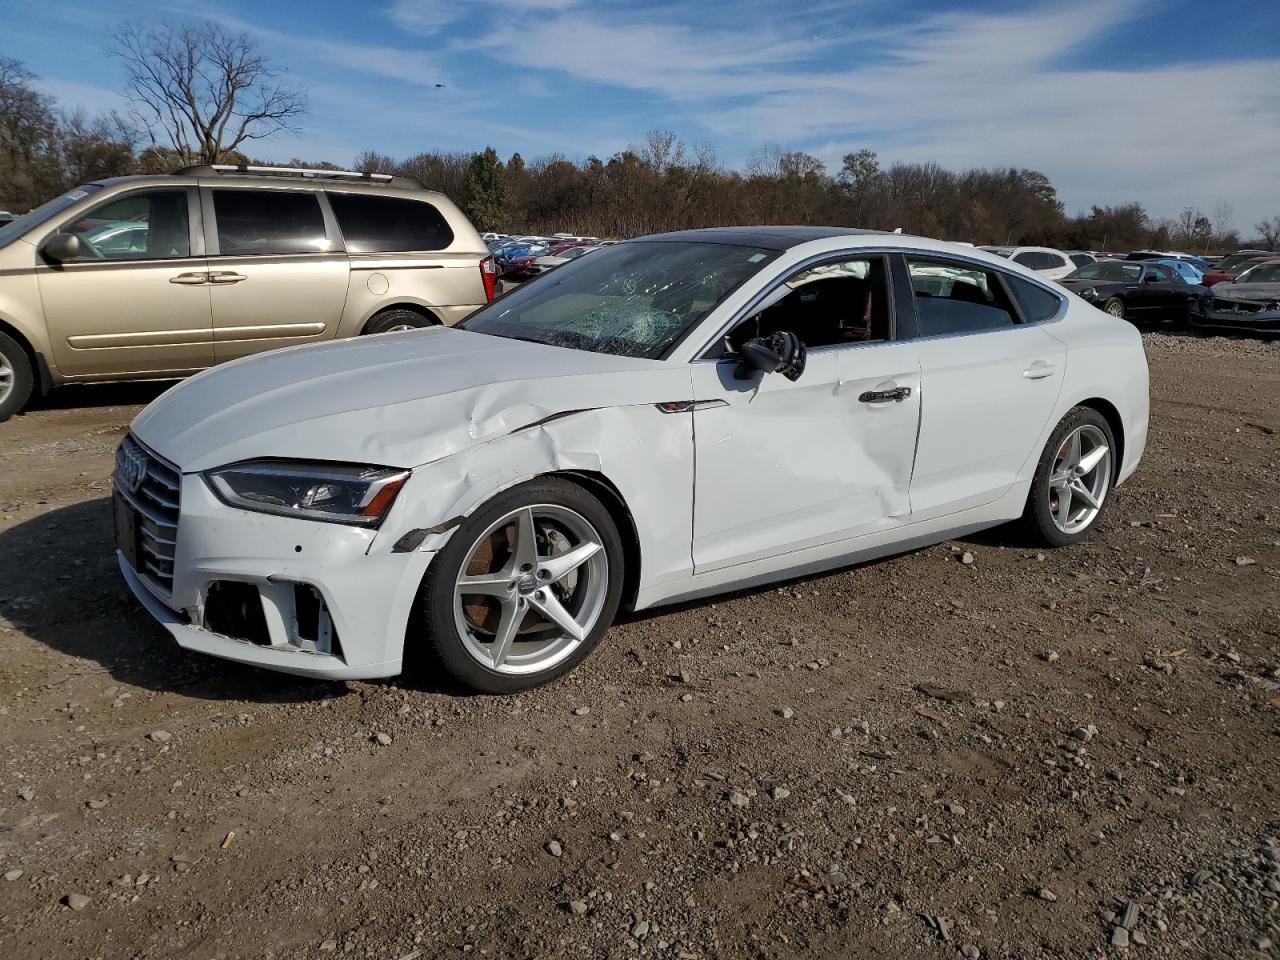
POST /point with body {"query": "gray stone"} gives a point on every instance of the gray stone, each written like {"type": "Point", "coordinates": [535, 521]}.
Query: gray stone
{"type": "Point", "coordinates": [1119, 937]}
{"type": "Point", "coordinates": [77, 901]}
{"type": "Point", "coordinates": [553, 847]}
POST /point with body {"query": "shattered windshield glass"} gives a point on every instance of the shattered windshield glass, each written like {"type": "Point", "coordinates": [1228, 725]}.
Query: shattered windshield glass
{"type": "Point", "coordinates": [632, 299]}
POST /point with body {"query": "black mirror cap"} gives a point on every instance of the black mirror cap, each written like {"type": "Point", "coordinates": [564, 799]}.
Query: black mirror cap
{"type": "Point", "coordinates": [782, 352]}
{"type": "Point", "coordinates": [62, 246]}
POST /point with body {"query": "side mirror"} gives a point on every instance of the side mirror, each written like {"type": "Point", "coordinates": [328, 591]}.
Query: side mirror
{"type": "Point", "coordinates": [62, 246]}
{"type": "Point", "coordinates": [782, 352]}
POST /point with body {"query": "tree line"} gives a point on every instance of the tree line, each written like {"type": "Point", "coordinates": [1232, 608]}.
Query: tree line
{"type": "Point", "coordinates": [202, 94]}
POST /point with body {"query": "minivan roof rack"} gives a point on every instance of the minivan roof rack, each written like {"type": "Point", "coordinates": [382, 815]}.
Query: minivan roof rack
{"type": "Point", "coordinates": [211, 169]}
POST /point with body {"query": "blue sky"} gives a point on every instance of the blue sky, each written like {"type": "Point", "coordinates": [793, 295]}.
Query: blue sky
{"type": "Point", "coordinates": [1170, 102]}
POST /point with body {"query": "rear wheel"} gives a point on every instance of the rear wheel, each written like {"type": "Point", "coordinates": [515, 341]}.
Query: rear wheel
{"type": "Point", "coordinates": [1115, 307]}
{"type": "Point", "coordinates": [16, 377]}
{"type": "Point", "coordinates": [1073, 478]}
{"type": "Point", "coordinates": [394, 321]}
{"type": "Point", "coordinates": [525, 588]}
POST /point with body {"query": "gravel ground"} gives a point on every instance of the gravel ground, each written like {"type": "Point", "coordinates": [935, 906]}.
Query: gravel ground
{"type": "Point", "coordinates": [1067, 753]}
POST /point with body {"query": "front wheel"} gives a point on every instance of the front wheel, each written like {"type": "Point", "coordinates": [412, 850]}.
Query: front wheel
{"type": "Point", "coordinates": [16, 377]}
{"type": "Point", "coordinates": [398, 321]}
{"type": "Point", "coordinates": [525, 587]}
{"type": "Point", "coordinates": [1114, 307]}
{"type": "Point", "coordinates": [1072, 479]}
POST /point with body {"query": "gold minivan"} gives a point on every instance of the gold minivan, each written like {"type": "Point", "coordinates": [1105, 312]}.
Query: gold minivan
{"type": "Point", "coordinates": [157, 277]}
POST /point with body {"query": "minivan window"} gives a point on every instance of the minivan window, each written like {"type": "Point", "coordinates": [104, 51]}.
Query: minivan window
{"type": "Point", "coordinates": [956, 298]}
{"type": "Point", "coordinates": [148, 225]}
{"type": "Point", "coordinates": [12, 230]}
{"type": "Point", "coordinates": [372, 224]}
{"type": "Point", "coordinates": [253, 222]}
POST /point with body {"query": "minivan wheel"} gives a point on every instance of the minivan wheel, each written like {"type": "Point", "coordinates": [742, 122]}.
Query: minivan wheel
{"type": "Point", "coordinates": [394, 321]}
{"type": "Point", "coordinates": [525, 588]}
{"type": "Point", "coordinates": [16, 377]}
{"type": "Point", "coordinates": [1072, 479]}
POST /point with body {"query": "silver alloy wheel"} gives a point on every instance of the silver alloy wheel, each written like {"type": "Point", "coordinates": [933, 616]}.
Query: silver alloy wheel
{"type": "Point", "coordinates": [401, 328]}
{"type": "Point", "coordinates": [1080, 479]}
{"type": "Point", "coordinates": [7, 378]}
{"type": "Point", "coordinates": [531, 589]}
{"type": "Point", "coordinates": [1115, 308]}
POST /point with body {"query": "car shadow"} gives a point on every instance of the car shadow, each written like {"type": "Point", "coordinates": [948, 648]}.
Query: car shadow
{"type": "Point", "coordinates": [88, 395]}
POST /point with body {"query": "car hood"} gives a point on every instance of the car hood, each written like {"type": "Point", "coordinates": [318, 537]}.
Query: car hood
{"type": "Point", "coordinates": [1253, 292]}
{"type": "Point", "coordinates": [400, 399]}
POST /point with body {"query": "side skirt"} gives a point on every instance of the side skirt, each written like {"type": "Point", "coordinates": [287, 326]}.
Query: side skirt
{"type": "Point", "coordinates": [842, 553]}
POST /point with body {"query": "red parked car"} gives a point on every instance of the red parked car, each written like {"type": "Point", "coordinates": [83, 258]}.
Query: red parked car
{"type": "Point", "coordinates": [1230, 267]}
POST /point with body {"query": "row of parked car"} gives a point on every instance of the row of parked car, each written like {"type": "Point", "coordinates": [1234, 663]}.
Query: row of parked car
{"type": "Point", "coordinates": [1237, 291]}
{"type": "Point", "coordinates": [521, 257]}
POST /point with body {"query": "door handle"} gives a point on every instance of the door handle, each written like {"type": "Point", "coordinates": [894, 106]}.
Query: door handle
{"type": "Point", "coordinates": [1038, 371]}
{"type": "Point", "coordinates": [893, 395]}
{"type": "Point", "coordinates": [190, 279]}
{"type": "Point", "coordinates": [226, 276]}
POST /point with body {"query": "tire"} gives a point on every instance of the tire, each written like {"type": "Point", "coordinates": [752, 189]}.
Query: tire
{"type": "Point", "coordinates": [1045, 515]}
{"type": "Point", "coordinates": [1115, 307]}
{"type": "Point", "coordinates": [468, 630]}
{"type": "Point", "coordinates": [16, 377]}
{"type": "Point", "coordinates": [396, 320]}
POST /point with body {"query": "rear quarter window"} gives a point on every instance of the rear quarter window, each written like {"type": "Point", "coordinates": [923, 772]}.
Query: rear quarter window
{"type": "Point", "coordinates": [1036, 303]}
{"type": "Point", "coordinates": [373, 224]}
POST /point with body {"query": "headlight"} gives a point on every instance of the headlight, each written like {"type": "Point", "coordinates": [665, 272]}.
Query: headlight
{"type": "Point", "coordinates": [333, 492]}
{"type": "Point", "coordinates": [1088, 293]}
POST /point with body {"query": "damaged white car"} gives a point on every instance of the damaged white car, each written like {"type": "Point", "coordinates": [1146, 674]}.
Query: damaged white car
{"type": "Point", "coordinates": [670, 417]}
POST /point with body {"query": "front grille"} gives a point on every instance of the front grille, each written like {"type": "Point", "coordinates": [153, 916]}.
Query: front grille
{"type": "Point", "coordinates": [156, 498]}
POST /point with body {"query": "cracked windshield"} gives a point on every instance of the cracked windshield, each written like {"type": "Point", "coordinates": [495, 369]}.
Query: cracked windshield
{"type": "Point", "coordinates": [633, 299]}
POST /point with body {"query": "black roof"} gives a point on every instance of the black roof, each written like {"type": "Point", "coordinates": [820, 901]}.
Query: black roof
{"type": "Point", "coordinates": [770, 238]}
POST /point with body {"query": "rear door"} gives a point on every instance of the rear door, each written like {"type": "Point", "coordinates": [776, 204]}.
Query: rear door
{"type": "Point", "coordinates": [277, 273]}
{"type": "Point", "coordinates": [991, 378]}
{"type": "Point", "coordinates": [135, 301]}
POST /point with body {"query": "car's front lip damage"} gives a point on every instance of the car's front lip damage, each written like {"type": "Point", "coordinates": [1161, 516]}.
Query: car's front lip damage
{"type": "Point", "coordinates": [368, 594]}
{"type": "Point", "coordinates": [1252, 313]}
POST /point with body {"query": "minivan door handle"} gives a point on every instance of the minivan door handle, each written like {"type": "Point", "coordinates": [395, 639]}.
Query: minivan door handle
{"type": "Point", "coordinates": [190, 279]}
{"type": "Point", "coordinates": [226, 276]}
{"type": "Point", "coordinates": [1038, 371]}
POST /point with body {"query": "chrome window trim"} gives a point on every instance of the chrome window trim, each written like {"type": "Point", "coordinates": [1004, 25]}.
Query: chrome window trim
{"type": "Point", "coordinates": [852, 254]}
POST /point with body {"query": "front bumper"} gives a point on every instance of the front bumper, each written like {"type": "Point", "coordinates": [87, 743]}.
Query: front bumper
{"type": "Point", "coordinates": [367, 595]}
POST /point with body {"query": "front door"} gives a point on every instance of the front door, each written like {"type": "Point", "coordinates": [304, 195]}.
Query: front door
{"type": "Point", "coordinates": [135, 301]}
{"type": "Point", "coordinates": [783, 465]}
{"type": "Point", "coordinates": [277, 275]}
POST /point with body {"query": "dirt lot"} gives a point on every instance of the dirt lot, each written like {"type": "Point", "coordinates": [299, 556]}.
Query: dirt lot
{"type": "Point", "coordinates": [1036, 754]}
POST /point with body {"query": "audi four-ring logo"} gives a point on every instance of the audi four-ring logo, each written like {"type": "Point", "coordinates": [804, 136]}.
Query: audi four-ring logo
{"type": "Point", "coordinates": [133, 469]}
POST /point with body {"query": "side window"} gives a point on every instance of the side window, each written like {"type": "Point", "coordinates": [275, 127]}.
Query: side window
{"type": "Point", "coordinates": [1163, 274]}
{"type": "Point", "coordinates": [372, 224]}
{"type": "Point", "coordinates": [268, 221]}
{"type": "Point", "coordinates": [956, 298]}
{"type": "Point", "coordinates": [1080, 259]}
{"type": "Point", "coordinates": [150, 225]}
{"type": "Point", "coordinates": [846, 301]}
{"type": "Point", "coordinates": [1035, 302]}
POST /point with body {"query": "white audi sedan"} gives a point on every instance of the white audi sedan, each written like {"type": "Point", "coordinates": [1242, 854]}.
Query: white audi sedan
{"type": "Point", "coordinates": [667, 418]}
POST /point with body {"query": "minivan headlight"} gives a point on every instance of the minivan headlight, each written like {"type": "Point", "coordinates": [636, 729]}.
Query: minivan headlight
{"type": "Point", "coordinates": [334, 492]}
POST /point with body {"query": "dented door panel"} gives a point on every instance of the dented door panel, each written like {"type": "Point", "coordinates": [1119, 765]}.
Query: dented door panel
{"type": "Point", "coordinates": [782, 466]}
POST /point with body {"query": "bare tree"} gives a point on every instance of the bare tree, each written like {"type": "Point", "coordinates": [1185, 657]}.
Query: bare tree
{"type": "Point", "coordinates": [1222, 214]}
{"type": "Point", "coordinates": [1269, 231]}
{"type": "Point", "coordinates": [206, 89]}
